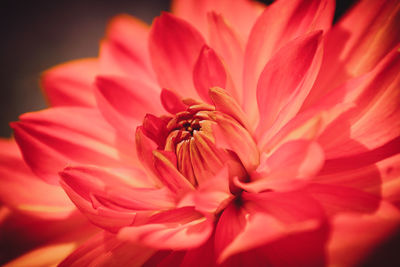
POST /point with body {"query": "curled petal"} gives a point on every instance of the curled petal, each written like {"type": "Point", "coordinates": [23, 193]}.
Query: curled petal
{"type": "Point", "coordinates": [288, 167]}
{"type": "Point", "coordinates": [177, 229]}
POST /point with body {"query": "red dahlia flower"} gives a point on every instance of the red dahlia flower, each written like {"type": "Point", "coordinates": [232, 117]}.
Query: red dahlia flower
{"type": "Point", "coordinates": [228, 134]}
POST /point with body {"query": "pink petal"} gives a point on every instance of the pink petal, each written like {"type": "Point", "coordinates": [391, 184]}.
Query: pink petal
{"type": "Point", "coordinates": [280, 23]}
{"type": "Point", "coordinates": [124, 101]}
{"type": "Point", "coordinates": [175, 229]}
{"type": "Point", "coordinates": [107, 250]}
{"type": "Point", "coordinates": [54, 138]}
{"type": "Point", "coordinates": [360, 234]}
{"type": "Point", "coordinates": [260, 230]}
{"type": "Point", "coordinates": [72, 83]}
{"type": "Point", "coordinates": [23, 190]}
{"type": "Point", "coordinates": [240, 13]}
{"type": "Point", "coordinates": [280, 96]}
{"type": "Point", "coordinates": [211, 195]}
{"type": "Point", "coordinates": [131, 34]}
{"type": "Point", "coordinates": [357, 43]}
{"type": "Point", "coordinates": [174, 48]}
{"type": "Point", "coordinates": [342, 199]}
{"type": "Point", "coordinates": [124, 51]}
{"type": "Point", "coordinates": [208, 72]}
{"type": "Point", "coordinates": [288, 167]}
{"type": "Point", "coordinates": [230, 224]}
{"type": "Point", "coordinates": [172, 102]}
{"type": "Point", "coordinates": [230, 49]}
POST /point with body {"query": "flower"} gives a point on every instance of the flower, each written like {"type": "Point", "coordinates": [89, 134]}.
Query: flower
{"type": "Point", "coordinates": [229, 134]}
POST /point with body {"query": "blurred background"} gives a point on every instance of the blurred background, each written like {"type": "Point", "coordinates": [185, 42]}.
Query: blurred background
{"type": "Point", "coordinates": [36, 35]}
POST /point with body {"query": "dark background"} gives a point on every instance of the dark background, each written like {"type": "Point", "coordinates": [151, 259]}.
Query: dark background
{"type": "Point", "coordinates": [36, 35]}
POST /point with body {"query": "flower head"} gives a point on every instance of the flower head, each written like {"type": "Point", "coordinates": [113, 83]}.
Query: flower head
{"type": "Point", "coordinates": [228, 133]}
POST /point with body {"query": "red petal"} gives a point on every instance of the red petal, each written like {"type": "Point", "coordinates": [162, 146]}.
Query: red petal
{"type": "Point", "coordinates": [208, 72]}
{"type": "Point", "coordinates": [240, 13]}
{"type": "Point", "coordinates": [72, 83]}
{"type": "Point", "coordinates": [288, 167]}
{"type": "Point", "coordinates": [280, 23]}
{"type": "Point", "coordinates": [53, 138]}
{"type": "Point", "coordinates": [360, 234]}
{"type": "Point", "coordinates": [174, 48]}
{"type": "Point", "coordinates": [279, 95]}
{"type": "Point", "coordinates": [23, 190]}
{"type": "Point", "coordinates": [357, 43]}
{"type": "Point", "coordinates": [230, 49]}
{"type": "Point", "coordinates": [124, 101]}
{"type": "Point", "coordinates": [172, 102]}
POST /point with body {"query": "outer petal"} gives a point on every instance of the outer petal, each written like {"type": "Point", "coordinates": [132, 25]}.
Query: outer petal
{"type": "Point", "coordinates": [72, 83]}
{"type": "Point", "coordinates": [230, 49]}
{"type": "Point", "coordinates": [240, 13]}
{"type": "Point", "coordinates": [106, 250]}
{"type": "Point", "coordinates": [174, 48]}
{"type": "Point", "coordinates": [22, 190]}
{"type": "Point", "coordinates": [373, 121]}
{"type": "Point", "coordinates": [49, 255]}
{"type": "Point", "coordinates": [124, 52]}
{"type": "Point", "coordinates": [280, 23]}
{"type": "Point", "coordinates": [176, 229]}
{"type": "Point", "coordinates": [53, 138]}
{"type": "Point", "coordinates": [357, 43]}
{"type": "Point", "coordinates": [113, 198]}
{"type": "Point", "coordinates": [124, 102]}
{"type": "Point", "coordinates": [279, 95]}
{"type": "Point", "coordinates": [346, 229]}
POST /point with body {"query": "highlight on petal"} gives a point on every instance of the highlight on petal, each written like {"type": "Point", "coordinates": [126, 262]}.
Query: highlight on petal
{"type": "Point", "coordinates": [23, 190]}
{"type": "Point", "coordinates": [280, 23]}
{"type": "Point", "coordinates": [279, 96]}
{"type": "Point", "coordinates": [372, 122]}
{"type": "Point", "coordinates": [71, 83]}
{"type": "Point", "coordinates": [174, 47]}
{"type": "Point", "coordinates": [357, 43]}
{"type": "Point", "coordinates": [240, 13]}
